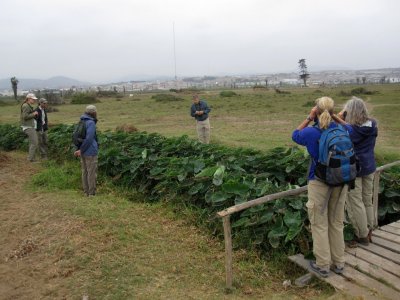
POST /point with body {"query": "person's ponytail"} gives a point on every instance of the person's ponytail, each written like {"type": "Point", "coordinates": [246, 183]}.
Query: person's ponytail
{"type": "Point", "coordinates": [325, 119]}
{"type": "Point", "coordinates": [325, 106]}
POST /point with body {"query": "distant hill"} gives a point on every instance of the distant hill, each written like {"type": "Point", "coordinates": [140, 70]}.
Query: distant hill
{"type": "Point", "coordinates": [51, 83]}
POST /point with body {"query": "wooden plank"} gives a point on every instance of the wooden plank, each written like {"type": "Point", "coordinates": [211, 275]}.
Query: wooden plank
{"type": "Point", "coordinates": [394, 257]}
{"type": "Point", "coordinates": [387, 236]}
{"type": "Point", "coordinates": [375, 259]}
{"type": "Point", "coordinates": [335, 280]}
{"type": "Point", "coordinates": [380, 289]}
{"type": "Point", "coordinates": [395, 224]}
{"type": "Point", "coordinates": [386, 244]}
{"type": "Point", "coordinates": [228, 251]}
{"type": "Point", "coordinates": [391, 229]}
{"type": "Point", "coordinates": [373, 270]}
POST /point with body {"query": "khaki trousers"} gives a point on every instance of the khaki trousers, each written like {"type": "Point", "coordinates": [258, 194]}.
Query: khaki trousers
{"type": "Point", "coordinates": [359, 206]}
{"type": "Point", "coordinates": [33, 142]}
{"type": "Point", "coordinates": [89, 174]}
{"type": "Point", "coordinates": [43, 143]}
{"type": "Point", "coordinates": [203, 131]}
{"type": "Point", "coordinates": [326, 213]}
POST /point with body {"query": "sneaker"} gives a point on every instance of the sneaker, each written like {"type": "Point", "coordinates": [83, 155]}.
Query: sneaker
{"type": "Point", "coordinates": [323, 273]}
{"type": "Point", "coordinates": [337, 270]}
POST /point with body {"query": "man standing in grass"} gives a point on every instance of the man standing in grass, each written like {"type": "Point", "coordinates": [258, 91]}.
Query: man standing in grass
{"type": "Point", "coordinates": [200, 111]}
{"type": "Point", "coordinates": [28, 124]}
{"type": "Point", "coordinates": [42, 126]}
{"type": "Point", "coordinates": [88, 151]}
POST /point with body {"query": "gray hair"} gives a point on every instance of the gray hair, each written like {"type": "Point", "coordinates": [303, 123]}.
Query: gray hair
{"type": "Point", "coordinates": [357, 112]}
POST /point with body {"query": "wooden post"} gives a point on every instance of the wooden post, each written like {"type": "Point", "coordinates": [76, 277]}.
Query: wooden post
{"type": "Point", "coordinates": [228, 251]}
{"type": "Point", "coordinates": [375, 196]}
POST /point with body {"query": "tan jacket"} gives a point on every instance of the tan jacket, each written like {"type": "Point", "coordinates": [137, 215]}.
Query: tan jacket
{"type": "Point", "coordinates": [27, 116]}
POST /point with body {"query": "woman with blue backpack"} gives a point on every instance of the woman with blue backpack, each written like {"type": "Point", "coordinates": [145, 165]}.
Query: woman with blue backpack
{"type": "Point", "coordinates": [359, 203]}
{"type": "Point", "coordinates": [328, 139]}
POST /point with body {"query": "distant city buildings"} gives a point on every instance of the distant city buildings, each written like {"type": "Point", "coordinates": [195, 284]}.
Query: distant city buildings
{"type": "Point", "coordinates": [316, 79]}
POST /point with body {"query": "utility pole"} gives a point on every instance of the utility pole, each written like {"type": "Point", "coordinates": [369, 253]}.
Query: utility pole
{"type": "Point", "coordinates": [173, 30]}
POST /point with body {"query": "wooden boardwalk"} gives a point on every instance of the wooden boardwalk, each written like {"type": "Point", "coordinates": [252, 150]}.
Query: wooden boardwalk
{"type": "Point", "coordinates": [371, 272]}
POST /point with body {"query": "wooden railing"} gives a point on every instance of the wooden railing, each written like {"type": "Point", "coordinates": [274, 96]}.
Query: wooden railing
{"type": "Point", "coordinates": [226, 213]}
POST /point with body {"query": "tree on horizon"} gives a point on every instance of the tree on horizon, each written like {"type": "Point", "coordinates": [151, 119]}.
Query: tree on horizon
{"type": "Point", "coordinates": [14, 85]}
{"type": "Point", "coordinates": [304, 75]}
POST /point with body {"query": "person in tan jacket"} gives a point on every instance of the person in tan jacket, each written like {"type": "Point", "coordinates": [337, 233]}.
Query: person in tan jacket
{"type": "Point", "coordinates": [28, 124]}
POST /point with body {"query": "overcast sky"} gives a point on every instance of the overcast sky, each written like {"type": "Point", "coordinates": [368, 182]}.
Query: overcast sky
{"type": "Point", "coordinates": [108, 40]}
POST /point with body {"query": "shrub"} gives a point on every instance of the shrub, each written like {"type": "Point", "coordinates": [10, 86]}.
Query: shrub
{"type": "Point", "coordinates": [227, 94]}
{"type": "Point", "coordinates": [107, 94]}
{"type": "Point", "coordinates": [166, 98]}
{"type": "Point", "coordinates": [126, 128]}
{"type": "Point", "coordinates": [362, 91]}
{"type": "Point", "coordinates": [83, 98]}
{"type": "Point", "coordinates": [278, 91]}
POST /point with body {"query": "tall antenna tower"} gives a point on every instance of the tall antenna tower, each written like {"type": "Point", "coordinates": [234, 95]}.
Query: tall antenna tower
{"type": "Point", "coordinates": [173, 30]}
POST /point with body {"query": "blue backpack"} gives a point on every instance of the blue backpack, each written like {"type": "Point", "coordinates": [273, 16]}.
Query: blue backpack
{"type": "Point", "coordinates": [337, 162]}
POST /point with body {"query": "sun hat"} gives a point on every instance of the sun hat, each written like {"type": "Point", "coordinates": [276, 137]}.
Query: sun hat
{"type": "Point", "coordinates": [31, 96]}
{"type": "Point", "coordinates": [90, 109]}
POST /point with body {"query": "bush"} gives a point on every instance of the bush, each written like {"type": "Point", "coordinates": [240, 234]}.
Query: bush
{"type": "Point", "coordinates": [107, 94]}
{"type": "Point", "coordinates": [278, 91]}
{"type": "Point", "coordinates": [227, 94]}
{"type": "Point", "coordinates": [166, 98]}
{"type": "Point", "coordinates": [362, 91]}
{"type": "Point", "coordinates": [83, 98]}
{"type": "Point", "coordinates": [126, 128]}
{"type": "Point", "coordinates": [309, 104]}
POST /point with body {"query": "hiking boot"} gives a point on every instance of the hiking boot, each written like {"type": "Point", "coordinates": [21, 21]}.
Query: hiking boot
{"type": "Point", "coordinates": [337, 270]}
{"type": "Point", "coordinates": [363, 241]}
{"type": "Point", "coordinates": [320, 271]}
{"type": "Point", "coordinates": [370, 236]}
{"type": "Point", "coordinates": [352, 244]}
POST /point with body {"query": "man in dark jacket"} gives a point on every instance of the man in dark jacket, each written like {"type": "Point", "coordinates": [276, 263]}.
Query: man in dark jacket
{"type": "Point", "coordinates": [88, 151]}
{"type": "Point", "coordinates": [42, 127]}
{"type": "Point", "coordinates": [200, 110]}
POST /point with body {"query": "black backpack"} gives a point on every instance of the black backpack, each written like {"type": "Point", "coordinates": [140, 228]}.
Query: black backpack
{"type": "Point", "coordinates": [79, 133]}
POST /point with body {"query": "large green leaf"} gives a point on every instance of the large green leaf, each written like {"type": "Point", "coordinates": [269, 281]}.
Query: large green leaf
{"type": "Point", "coordinates": [195, 189]}
{"type": "Point", "coordinates": [198, 165]}
{"type": "Point", "coordinates": [266, 217]}
{"type": "Point", "coordinates": [144, 153]}
{"type": "Point", "coordinates": [293, 232]}
{"type": "Point", "coordinates": [292, 219]}
{"type": "Point", "coordinates": [274, 241]}
{"type": "Point", "coordinates": [235, 187]}
{"type": "Point", "coordinates": [207, 172]}
{"type": "Point", "coordinates": [242, 222]}
{"type": "Point", "coordinates": [219, 175]}
{"type": "Point", "coordinates": [219, 197]}
{"type": "Point", "coordinates": [296, 203]}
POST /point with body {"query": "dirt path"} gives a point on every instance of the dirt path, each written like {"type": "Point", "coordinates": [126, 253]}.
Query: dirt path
{"type": "Point", "coordinates": [26, 270]}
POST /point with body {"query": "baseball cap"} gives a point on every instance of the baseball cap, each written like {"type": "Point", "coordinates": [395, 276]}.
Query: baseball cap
{"type": "Point", "coordinates": [31, 96]}
{"type": "Point", "coordinates": [42, 100]}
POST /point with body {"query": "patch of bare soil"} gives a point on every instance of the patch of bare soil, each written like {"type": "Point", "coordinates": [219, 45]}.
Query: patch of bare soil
{"type": "Point", "coordinates": [29, 228]}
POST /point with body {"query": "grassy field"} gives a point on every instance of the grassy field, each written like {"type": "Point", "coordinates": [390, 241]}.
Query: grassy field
{"type": "Point", "coordinates": [259, 118]}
